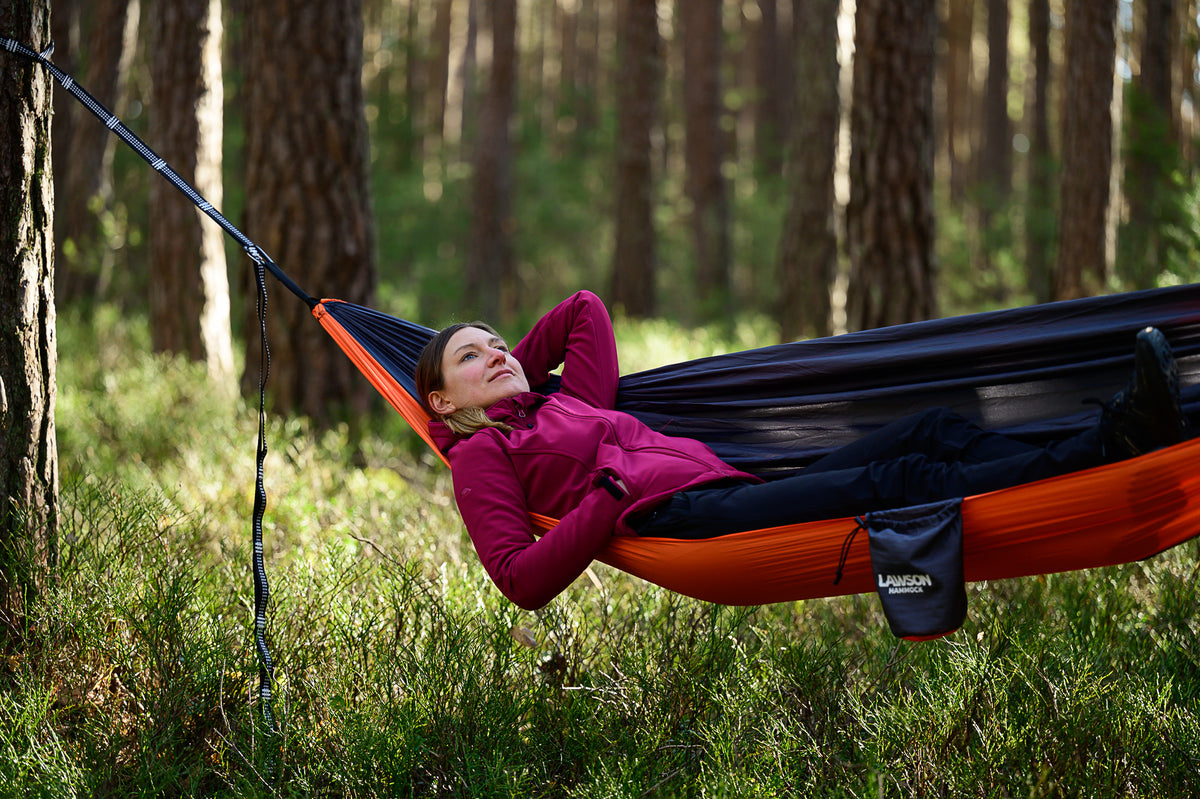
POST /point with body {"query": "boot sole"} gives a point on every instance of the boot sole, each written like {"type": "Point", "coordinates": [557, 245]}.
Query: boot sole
{"type": "Point", "coordinates": [1156, 364]}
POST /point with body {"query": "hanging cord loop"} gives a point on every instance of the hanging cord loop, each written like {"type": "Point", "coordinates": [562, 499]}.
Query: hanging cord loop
{"type": "Point", "coordinates": [263, 263]}
{"type": "Point", "coordinates": [862, 525]}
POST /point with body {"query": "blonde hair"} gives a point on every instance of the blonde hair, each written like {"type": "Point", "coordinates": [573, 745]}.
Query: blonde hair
{"type": "Point", "coordinates": [469, 421]}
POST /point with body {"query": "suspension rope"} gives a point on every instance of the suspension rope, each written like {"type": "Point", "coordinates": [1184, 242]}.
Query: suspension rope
{"type": "Point", "coordinates": [263, 263]}
{"type": "Point", "coordinates": [158, 164]}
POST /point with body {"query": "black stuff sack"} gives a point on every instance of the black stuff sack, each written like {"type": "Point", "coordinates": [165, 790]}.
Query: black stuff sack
{"type": "Point", "coordinates": [917, 557]}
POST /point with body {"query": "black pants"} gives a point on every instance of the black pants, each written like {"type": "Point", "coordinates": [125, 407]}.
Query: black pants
{"type": "Point", "coordinates": [926, 457]}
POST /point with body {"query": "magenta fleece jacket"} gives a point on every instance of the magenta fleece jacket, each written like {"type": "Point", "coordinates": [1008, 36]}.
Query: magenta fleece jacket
{"type": "Point", "coordinates": [559, 459]}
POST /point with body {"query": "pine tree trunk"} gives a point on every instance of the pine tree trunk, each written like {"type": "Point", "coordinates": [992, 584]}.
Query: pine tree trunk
{"type": "Point", "coordinates": [307, 194]}
{"type": "Point", "coordinates": [638, 86]}
{"type": "Point", "coordinates": [490, 268]}
{"type": "Point", "coordinates": [28, 355]}
{"type": "Point", "coordinates": [960, 96]}
{"type": "Point", "coordinates": [889, 221]}
{"type": "Point", "coordinates": [704, 146]}
{"type": "Point", "coordinates": [771, 89]}
{"type": "Point", "coordinates": [189, 288]}
{"type": "Point", "coordinates": [105, 45]}
{"type": "Point", "coordinates": [587, 82]}
{"type": "Point", "coordinates": [995, 169]}
{"type": "Point", "coordinates": [1150, 152]}
{"type": "Point", "coordinates": [1087, 149]}
{"type": "Point", "coordinates": [808, 256]}
{"type": "Point", "coordinates": [437, 69]}
{"type": "Point", "coordinates": [1039, 209]}
{"type": "Point", "coordinates": [1184, 31]}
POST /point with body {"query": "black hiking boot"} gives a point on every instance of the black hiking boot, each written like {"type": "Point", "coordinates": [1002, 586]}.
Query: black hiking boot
{"type": "Point", "coordinates": [1147, 414]}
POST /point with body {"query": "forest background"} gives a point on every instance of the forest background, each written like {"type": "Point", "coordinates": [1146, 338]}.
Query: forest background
{"type": "Point", "coordinates": [747, 171]}
{"type": "Point", "coordinates": [703, 162]}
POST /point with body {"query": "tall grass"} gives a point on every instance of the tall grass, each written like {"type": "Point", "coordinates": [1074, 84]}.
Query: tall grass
{"type": "Point", "coordinates": [402, 672]}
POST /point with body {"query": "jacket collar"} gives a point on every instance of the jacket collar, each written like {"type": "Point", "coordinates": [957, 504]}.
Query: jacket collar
{"type": "Point", "coordinates": [509, 410]}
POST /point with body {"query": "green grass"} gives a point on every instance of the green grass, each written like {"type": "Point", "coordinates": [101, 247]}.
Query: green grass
{"type": "Point", "coordinates": [402, 672]}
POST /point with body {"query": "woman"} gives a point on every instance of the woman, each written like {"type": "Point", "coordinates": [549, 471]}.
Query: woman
{"type": "Point", "coordinates": [601, 472]}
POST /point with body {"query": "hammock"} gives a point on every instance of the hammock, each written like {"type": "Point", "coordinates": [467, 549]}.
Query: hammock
{"type": "Point", "coordinates": [1024, 372]}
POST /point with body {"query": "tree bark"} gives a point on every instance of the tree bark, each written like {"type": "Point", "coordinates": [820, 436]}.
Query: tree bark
{"type": "Point", "coordinates": [808, 253]}
{"type": "Point", "coordinates": [28, 352]}
{"type": "Point", "coordinates": [1039, 209]}
{"type": "Point", "coordinates": [995, 170]}
{"type": "Point", "coordinates": [1087, 151]}
{"type": "Point", "coordinates": [587, 90]}
{"type": "Point", "coordinates": [960, 118]}
{"type": "Point", "coordinates": [773, 86]}
{"type": "Point", "coordinates": [1150, 153]}
{"type": "Point", "coordinates": [490, 269]}
{"type": "Point", "coordinates": [638, 86]}
{"type": "Point", "coordinates": [437, 68]}
{"type": "Point", "coordinates": [889, 221]}
{"type": "Point", "coordinates": [307, 193]}
{"type": "Point", "coordinates": [1184, 31]}
{"type": "Point", "coordinates": [189, 291]}
{"type": "Point", "coordinates": [704, 151]}
{"type": "Point", "coordinates": [105, 43]}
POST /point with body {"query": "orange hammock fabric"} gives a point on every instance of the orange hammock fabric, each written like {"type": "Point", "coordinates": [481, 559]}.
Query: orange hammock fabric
{"type": "Point", "coordinates": [1099, 517]}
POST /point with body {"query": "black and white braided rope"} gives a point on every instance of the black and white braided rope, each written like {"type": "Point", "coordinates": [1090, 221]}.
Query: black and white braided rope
{"type": "Point", "coordinates": [113, 123]}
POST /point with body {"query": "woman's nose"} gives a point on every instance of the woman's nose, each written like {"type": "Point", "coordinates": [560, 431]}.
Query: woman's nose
{"type": "Point", "coordinates": [496, 355]}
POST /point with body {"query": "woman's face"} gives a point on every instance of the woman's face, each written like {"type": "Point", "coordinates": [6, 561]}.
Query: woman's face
{"type": "Point", "coordinates": [477, 372]}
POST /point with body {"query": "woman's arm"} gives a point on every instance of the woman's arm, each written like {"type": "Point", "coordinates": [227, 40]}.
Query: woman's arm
{"type": "Point", "coordinates": [529, 571]}
{"type": "Point", "coordinates": [578, 335]}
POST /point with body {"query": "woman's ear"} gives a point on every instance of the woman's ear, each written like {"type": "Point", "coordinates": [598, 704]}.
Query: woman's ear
{"type": "Point", "coordinates": [440, 405]}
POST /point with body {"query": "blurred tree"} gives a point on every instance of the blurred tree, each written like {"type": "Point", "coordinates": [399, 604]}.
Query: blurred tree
{"type": "Point", "coordinates": [1151, 156]}
{"type": "Point", "coordinates": [437, 70]}
{"type": "Point", "coordinates": [189, 287]}
{"type": "Point", "coordinates": [490, 272]}
{"type": "Point", "coordinates": [995, 156]}
{"type": "Point", "coordinates": [1039, 204]}
{"type": "Point", "coordinates": [461, 106]}
{"type": "Point", "coordinates": [995, 166]}
{"type": "Point", "coordinates": [577, 95]}
{"type": "Point", "coordinates": [889, 220]}
{"type": "Point", "coordinates": [99, 41]}
{"type": "Point", "coordinates": [638, 85]}
{"type": "Point", "coordinates": [961, 121]}
{"type": "Point", "coordinates": [307, 191]}
{"type": "Point", "coordinates": [774, 82]}
{"type": "Point", "coordinates": [1087, 150]}
{"type": "Point", "coordinates": [1185, 41]}
{"type": "Point", "coordinates": [704, 150]}
{"type": "Point", "coordinates": [28, 353]}
{"type": "Point", "coordinates": [808, 255]}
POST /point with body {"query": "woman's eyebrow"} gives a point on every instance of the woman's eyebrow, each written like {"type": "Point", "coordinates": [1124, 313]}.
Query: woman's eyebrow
{"type": "Point", "coordinates": [471, 344]}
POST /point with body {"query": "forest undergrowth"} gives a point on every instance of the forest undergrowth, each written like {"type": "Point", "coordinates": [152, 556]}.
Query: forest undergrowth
{"type": "Point", "coordinates": [401, 671]}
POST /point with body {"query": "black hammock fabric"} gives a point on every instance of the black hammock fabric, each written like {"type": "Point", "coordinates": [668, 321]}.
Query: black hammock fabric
{"type": "Point", "coordinates": [1025, 371]}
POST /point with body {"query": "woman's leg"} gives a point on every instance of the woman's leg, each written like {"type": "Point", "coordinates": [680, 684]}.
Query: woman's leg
{"type": "Point", "coordinates": [939, 434]}
{"type": "Point", "coordinates": [935, 456]}
{"type": "Point", "coordinates": [898, 482]}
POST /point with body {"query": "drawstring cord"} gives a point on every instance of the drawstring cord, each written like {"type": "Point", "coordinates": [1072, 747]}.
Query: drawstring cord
{"type": "Point", "coordinates": [862, 525]}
